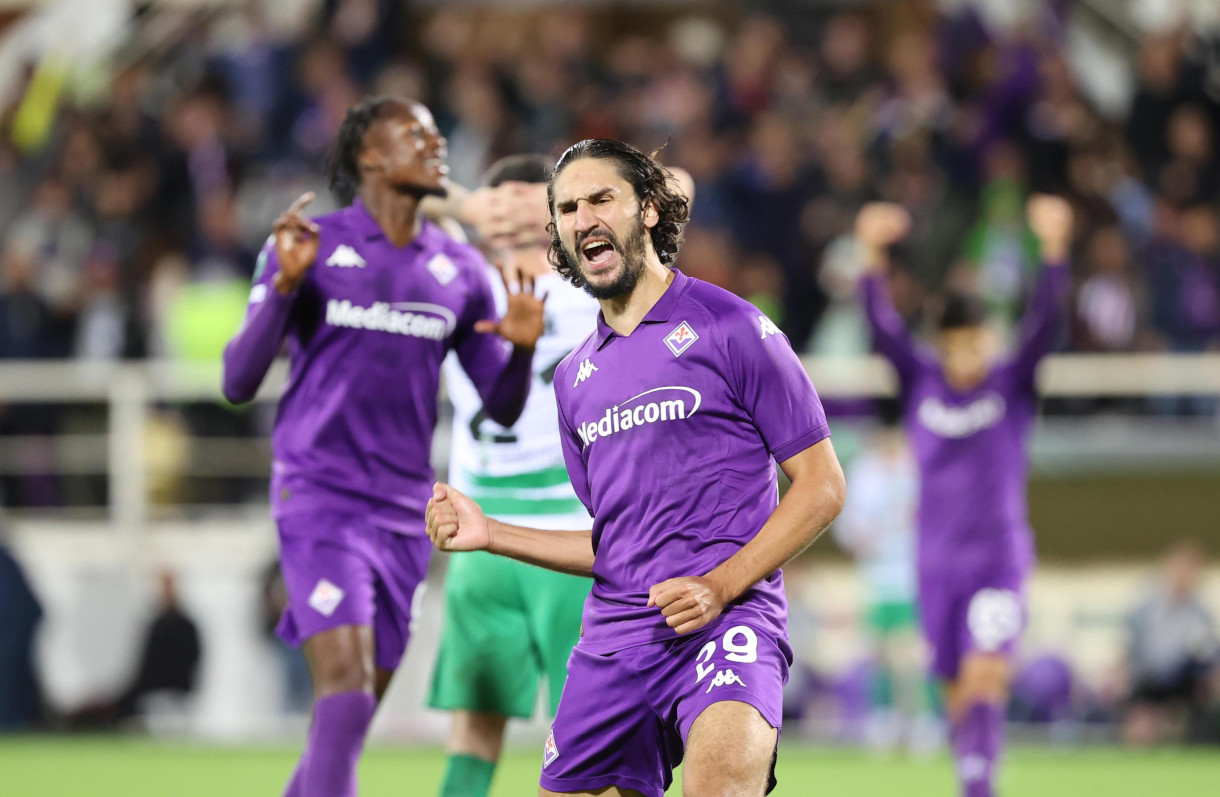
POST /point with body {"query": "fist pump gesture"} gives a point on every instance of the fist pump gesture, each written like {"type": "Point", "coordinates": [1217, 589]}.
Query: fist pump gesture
{"type": "Point", "coordinates": [880, 225]}
{"type": "Point", "coordinates": [454, 522]}
{"type": "Point", "coordinates": [296, 245]}
{"type": "Point", "coordinates": [1050, 220]}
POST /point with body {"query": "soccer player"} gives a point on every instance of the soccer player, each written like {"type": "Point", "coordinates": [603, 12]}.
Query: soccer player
{"type": "Point", "coordinates": [673, 414]}
{"type": "Point", "coordinates": [878, 527]}
{"type": "Point", "coordinates": [968, 415]}
{"type": "Point", "coordinates": [508, 624]}
{"type": "Point", "coordinates": [370, 298]}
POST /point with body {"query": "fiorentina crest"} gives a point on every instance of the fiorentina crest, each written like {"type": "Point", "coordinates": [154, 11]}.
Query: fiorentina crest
{"type": "Point", "coordinates": [549, 752]}
{"type": "Point", "coordinates": [681, 338]}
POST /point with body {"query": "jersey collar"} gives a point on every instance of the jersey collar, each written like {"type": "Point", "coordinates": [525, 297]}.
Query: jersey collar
{"type": "Point", "coordinates": [659, 313]}
{"type": "Point", "coordinates": [367, 228]}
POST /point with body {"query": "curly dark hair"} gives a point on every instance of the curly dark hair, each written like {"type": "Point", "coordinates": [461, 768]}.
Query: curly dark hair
{"type": "Point", "coordinates": [342, 169]}
{"type": "Point", "coordinates": [652, 183]}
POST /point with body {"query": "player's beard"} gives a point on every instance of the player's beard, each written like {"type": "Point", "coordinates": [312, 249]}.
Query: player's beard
{"type": "Point", "coordinates": [632, 255]}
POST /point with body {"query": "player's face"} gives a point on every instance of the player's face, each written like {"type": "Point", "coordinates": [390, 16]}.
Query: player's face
{"type": "Point", "coordinates": [602, 227]}
{"type": "Point", "coordinates": [408, 152]}
{"type": "Point", "coordinates": [526, 258]}
{"type": "Point", "coordinates": [966, 355]}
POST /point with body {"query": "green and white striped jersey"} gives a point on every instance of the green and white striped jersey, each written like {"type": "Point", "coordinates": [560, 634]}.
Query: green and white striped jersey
{"type": "Point", "coordinates": [518, 473]}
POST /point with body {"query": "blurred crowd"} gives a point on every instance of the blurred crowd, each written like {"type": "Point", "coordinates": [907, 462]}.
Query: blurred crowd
{"type": "Point", "coordinates": [138, 207]}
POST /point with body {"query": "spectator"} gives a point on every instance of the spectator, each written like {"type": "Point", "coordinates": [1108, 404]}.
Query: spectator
{"type": "Point", "coordinates": [169, 660]}
{"type": "Point", "coordinates": [20, 702]}
{"type": "Point", "coordinates": [1171, 654]}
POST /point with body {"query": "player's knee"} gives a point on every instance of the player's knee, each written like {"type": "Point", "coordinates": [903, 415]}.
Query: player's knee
{"type": "Point", "coordinates": [984, 678]}
{"type": "Point", "coordinates": [730, 778]}
{"type": "Point", "coordinates": [335, 674]}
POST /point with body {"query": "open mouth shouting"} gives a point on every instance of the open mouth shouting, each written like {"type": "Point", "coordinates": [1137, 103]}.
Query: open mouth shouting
{"type": "Point", "coordinates": [599, 251]}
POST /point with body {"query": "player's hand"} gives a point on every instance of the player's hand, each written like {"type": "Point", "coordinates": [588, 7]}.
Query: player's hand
{"type": "Point", "coordinates": [523, 320]}
{"type": "Point", "coordinates": [880, 225]}
{"type": "Point", "coordinates": [296, 244]}
{"type": "Point", "coordinates": [1050, 220]}
{"type": "Point", "coordinates": [688, 602]}
{"type": "Point", "coordinates": [454, 522]}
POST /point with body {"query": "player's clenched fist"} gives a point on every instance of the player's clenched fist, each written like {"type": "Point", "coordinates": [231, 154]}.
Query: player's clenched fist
{"type": "Point", "coordinates": [296, 245]}
{"type": "Point", "coordinates": [879, 225]}
{"type": "Point", "coordinates": [1050, 220]}
{"type": "Point", "coordinates": [454, 522]}
{"type": "Point", "coordinates": [688, 603]}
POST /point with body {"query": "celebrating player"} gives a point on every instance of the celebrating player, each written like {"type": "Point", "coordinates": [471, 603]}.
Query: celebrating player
{"type": "Point", "coordinates": [508, 624]}
{"type": "Point", "coordinates": [371, 298]}
{"type": "Point", "coordinates": [968, 417]}
{"type": "Point", "coordinates": [673, 414]}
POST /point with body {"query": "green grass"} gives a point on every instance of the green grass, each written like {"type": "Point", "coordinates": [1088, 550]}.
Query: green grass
{"type": "Point", "coordinates": [73, 767]}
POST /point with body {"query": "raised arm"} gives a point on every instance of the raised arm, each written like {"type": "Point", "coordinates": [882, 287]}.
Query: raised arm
{"type": "Point", "coordinates": [497, 354]}
{"type": "Point", "coordinates": [282, 267]}
{"type": "Point", "coordinates": [879, 226]}
{"type": "Point", "coordinates": [1050, 219]}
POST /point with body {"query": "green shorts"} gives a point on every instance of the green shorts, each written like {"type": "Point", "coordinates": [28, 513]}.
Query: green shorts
{"type": "Point", "coordinates": [507, 626]}
{"type": "Point", "coordinates": [886, 618]}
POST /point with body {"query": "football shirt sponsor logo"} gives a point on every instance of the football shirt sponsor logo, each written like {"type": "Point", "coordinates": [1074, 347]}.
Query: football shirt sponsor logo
{"type": "Point", "coordinates": [586, 370]}
{"type": "Point", "coordinates": [414, 319]}
{"type": "Point", "coordinates": [661, 404]}
{"type": "Point", "coordinates": [326, 597]}
{"type": "Point", "coordinates": [345, 257]}
{"type": "Point", "coordinates": [956, 422]}
{"type": "Point", "coordinates": [681, 338]}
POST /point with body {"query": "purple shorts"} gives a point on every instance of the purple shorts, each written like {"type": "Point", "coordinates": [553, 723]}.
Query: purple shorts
{"type": "Point", "coordinates": [624, 717]}
{"type": "Point", "coordinates": [961, 616]}
{"type": "Point", "coordinates": [341, 570]}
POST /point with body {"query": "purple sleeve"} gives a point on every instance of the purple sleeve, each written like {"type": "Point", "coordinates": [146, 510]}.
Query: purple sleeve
{"type": "Point", "coordinates": [252, 350]}
{"type": "Point", "coordinates": [773, 387]}
{"type": "Point", "coordinates": [891, 338]}
{"type": "Point", "coordinates": [500, 372]}
{"type": "Point", "coordinates": [1042, 322]}
{"type": "Point", "coordinates": [578, 474]}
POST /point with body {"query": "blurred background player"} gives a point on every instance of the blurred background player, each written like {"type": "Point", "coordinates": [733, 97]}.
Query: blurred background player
{"type": "Point", "coordinates": [509, 624]}
{"type": "Point", "coordinates": [969, 414]}
{"type": "Point", "coordinates": [878, 528]}
{"type": "Point", "coordinates": [368, 328]}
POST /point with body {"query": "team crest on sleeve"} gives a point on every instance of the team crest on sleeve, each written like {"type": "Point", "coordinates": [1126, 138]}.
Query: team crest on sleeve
{"type": "Point", "coordinates": [550, 751]}
{"type": "Point", "coordinates": [768, 326]}
{"type": "Point", "coordinates": [443, 269]}
{"type": "Point", "coordinates": [345, 257]}
{"type": "Point", "coordinates": [681, 338]}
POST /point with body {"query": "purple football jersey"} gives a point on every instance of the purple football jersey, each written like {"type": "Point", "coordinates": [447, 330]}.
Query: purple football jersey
{"type": "Point", "coordinates": [971, 445]}
{"type": "Point", "coordinates": [671, 435]}
{"type": "Point", "coordinates": [367, 333]}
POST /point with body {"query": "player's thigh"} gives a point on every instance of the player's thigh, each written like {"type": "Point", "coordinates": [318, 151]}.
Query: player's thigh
{"type": "Point", "coordinates": [399, 564]}
{"type": "Point", "coordinates": [486, 661]}
{"type": "Point", "coordinates": [554, 607]}
{"type": "Point", "coordinates": [730, 751]}
{"type": "Point", "coordinates": [341, 660]}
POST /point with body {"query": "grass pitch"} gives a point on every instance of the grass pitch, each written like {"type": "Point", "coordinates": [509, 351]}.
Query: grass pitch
{"type": "Point", "coordinates": [99, 767]}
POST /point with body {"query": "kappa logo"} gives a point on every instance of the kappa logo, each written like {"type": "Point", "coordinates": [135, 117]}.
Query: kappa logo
{"type": "Point", "coordinates": [550, 750]}
{"type": "Point", "coordinates": [681, 338]}
{"type": "Point", "coordinates": [768, 326]}
{"type": "Point", "coordinates": [725, 677]}
{"type": "Point", "coordinates": [326, 597]}
{"type": "Point", "coordinates": [345, 257]}
{"type": "Point", "coordinates": [587, 368]}
{"type": "Point", "coordinates": [443, 269]}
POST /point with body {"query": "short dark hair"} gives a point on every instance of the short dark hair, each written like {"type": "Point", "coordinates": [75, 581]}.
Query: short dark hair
{"type": "Point", "coordinates": [960, 311]}
{"type": "Point", "coordinates": [525, 168]}
{"type": "Point", "coordinates": [342, 169]}
{"type": "Point", "coordinates": [652, 183]}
